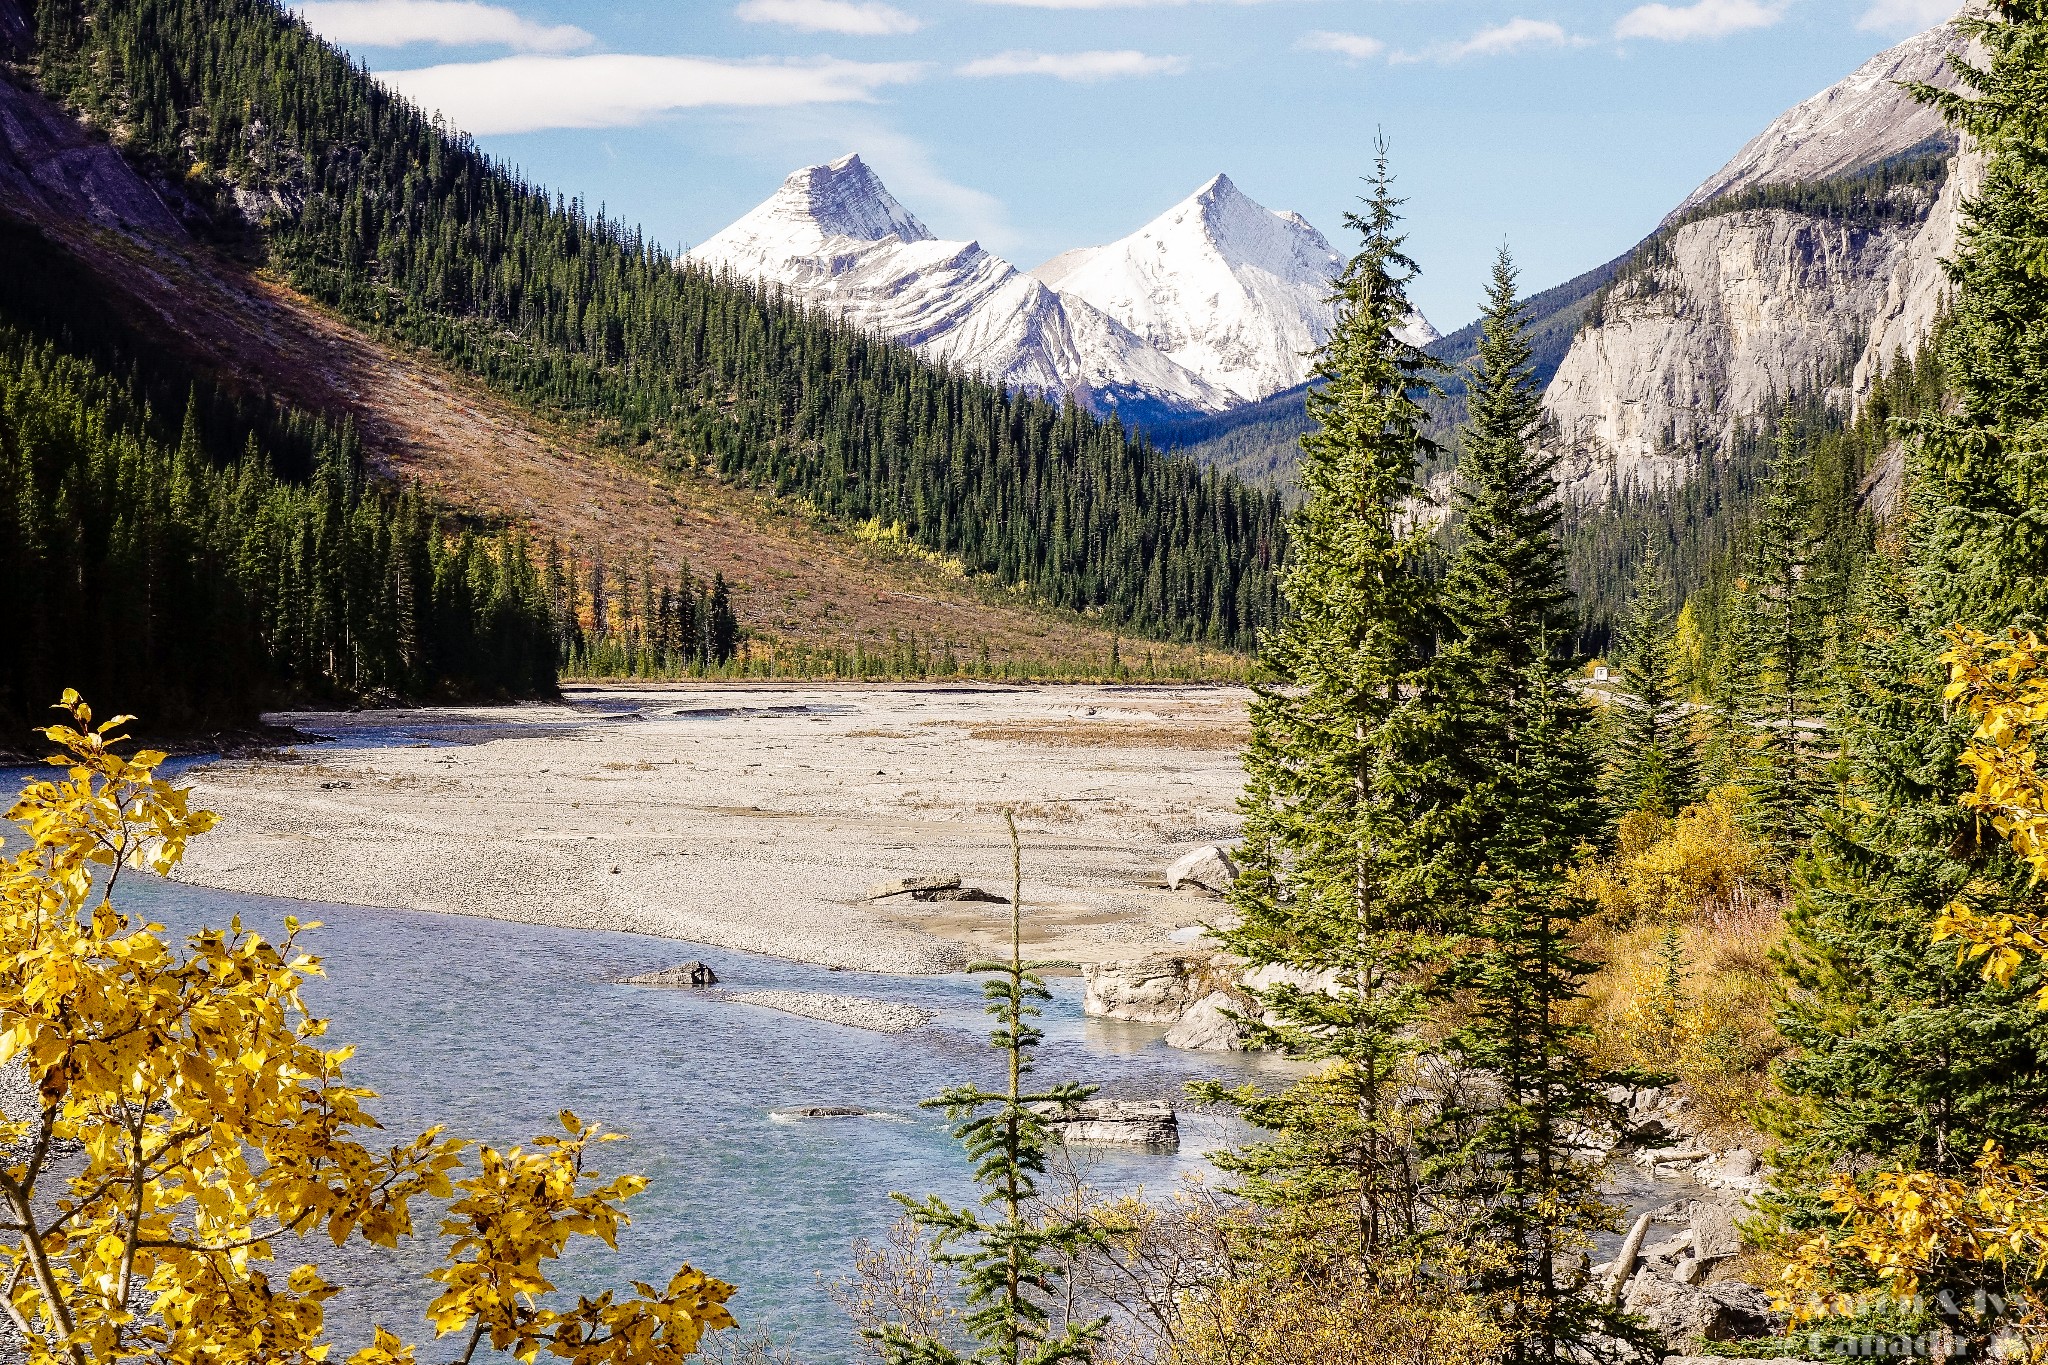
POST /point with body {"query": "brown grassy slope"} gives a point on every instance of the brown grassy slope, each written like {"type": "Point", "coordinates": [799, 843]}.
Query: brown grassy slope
{"type": "Point", "coordinates": [481, 454]}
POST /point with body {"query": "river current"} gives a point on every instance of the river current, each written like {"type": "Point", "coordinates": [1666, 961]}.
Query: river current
{"type": "Point", "coordinates": [491, 1028]}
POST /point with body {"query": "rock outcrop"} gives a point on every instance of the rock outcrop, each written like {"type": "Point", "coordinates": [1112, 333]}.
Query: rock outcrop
{"type": "Point", "coordinates": [1721, 314]}
{"type": "Point", "coordinates": [1151, 990]}
{"type": "Point", "coordinates": [1734, 312]}
{"type": "Point", "coordinates": [1148, 1124]}
{"type": "Point", "coordinates": [52, 167]}
{"type": "Point", "coordinates": [1208, 1026]}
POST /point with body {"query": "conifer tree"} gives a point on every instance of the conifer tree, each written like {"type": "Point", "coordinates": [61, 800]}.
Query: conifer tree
{"type": "Point", "coordinates": [1654, 767]}
{"type": "Point", "coordinates": [1784, 648]}
{"type": "Point", "coordinates": [1501, 1160]}
{"type": "Point", "coordinates": [1335, 821]}
{"type": "Point", "coordinates": [1900, 1052]}
{"type": "Point", "coordinates": [1011, 1265]}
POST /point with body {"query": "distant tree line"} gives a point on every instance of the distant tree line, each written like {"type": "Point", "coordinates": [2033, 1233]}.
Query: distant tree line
{"type": "Point", "coordinates": [406, 226]}
{"type": "Point", "coordinates": [201, 554]}
{"type": "Point", "coordinates": [614, 623]}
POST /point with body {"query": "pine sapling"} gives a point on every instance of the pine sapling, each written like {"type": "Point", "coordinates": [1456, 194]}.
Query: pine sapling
{"type": "Point", "coordinates": [1009, 1264]}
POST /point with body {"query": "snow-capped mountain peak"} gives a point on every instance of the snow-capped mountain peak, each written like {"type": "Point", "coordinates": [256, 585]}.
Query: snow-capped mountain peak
{"type": "Point", "coordinates": [841, 200]}
{"type": "Point", "coordinates": [1230, 289]}
{"type": "Point", "coordinates": [834, 236]}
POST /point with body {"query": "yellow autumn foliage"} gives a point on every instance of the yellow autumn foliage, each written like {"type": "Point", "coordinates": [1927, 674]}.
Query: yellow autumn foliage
{"type": "Point", "coordinates": [1701, 862]}
{"type": "Point", "coordinates": [211, 1124]}
{"type": "Point", "coordinates": [1904, 1226]}
{"type": "Point", "coordinates": [1689, 911]}
{"type": "Point", "coordinates": [1357, 1318]}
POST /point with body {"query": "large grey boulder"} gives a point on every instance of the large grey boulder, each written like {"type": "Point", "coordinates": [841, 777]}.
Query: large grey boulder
{"type": "Point", "coordinates": [1150, 1124]}
{"type": "Point", "coordinates": [1208, 1027]}
{"type": "Point", "coordinates": [1147, 990]}
{"type": "Point", "coordinates": [1714, 1235]}
{"type": "Point", "coordinates": [1207, 868]}
{"type": "Point", "coordinates": [1683, 1313]}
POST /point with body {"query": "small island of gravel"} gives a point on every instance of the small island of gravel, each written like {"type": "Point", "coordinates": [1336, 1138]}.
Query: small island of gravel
{"type": "Point", "coordinates": [854, 1011]}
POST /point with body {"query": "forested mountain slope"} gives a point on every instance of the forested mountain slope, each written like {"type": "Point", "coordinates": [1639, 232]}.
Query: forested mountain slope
{"type": "Point", "coordinates": [363, 205]}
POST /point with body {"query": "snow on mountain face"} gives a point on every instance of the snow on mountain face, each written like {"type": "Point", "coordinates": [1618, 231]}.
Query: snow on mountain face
{"type": "Point", "coordinates": [1859, 121]}
{"type": "Point", "coordinates": [835, 237]}
{"type": "Point", "coordinates": [1229, 289]}
{"type": "Point", "coordinates": [842, 199]}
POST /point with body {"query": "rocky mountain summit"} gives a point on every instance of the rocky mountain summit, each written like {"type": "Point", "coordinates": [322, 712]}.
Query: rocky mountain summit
{"type": "Point", "coordinates": [834, 236]}
{"type": "Point", "coordinates": [1226, 287]}
{"type": "Point", "coordinates": [1810, 262]}
{"type": "Point", "coordinates": [1215, 303]}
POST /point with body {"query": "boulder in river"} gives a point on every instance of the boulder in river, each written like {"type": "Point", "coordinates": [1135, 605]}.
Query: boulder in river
{"type": "Point", "coordinates": [1147, 990]}
{"type": "Point", "coordinates": [816, 1111]}
{"type": "Point", "coordinates": [1207, 868]}
{"type": "Point", "coordinates": [1150, 1124]}
{"type": "Point", "coordinates": [682, 974]}
{"type": "Point", "coordinates": [1714, 1235]}
{"type": "Point", "coordinates": [1208, 1027]}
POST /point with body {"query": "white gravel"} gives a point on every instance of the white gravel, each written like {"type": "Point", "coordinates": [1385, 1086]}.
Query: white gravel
{"type": "Point", "coordinates": [751, 818]}
{"type": "Point", "coordinates": [854, 1011]}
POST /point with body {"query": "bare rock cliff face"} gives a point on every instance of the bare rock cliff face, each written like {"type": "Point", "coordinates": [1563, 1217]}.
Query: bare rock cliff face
{"type": "Point", "coordinates": [1723, 314]}
{"type": "Point", "coordinates": [1915, 294]}
{"type": "Point", "coordinates": [1740, 309]}
{"type": "Point", "coordinates": [52, 168]}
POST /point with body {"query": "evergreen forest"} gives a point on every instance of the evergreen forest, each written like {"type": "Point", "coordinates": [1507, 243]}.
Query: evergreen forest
{"type": "Point", "coordinates": [410, 230]}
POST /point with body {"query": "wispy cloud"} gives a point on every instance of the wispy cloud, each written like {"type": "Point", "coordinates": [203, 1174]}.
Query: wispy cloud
{"type": "Point", "coordinates": [1356, 46]}
{"type": "Point", "coordinates": [1497, 40]}
{"type": "Point", "coordinates": [862, 18]}
{"type": "Point", "coordinates": [1701, 19]}
{"type": "Point", "coordinates": [450, 23]}
{"type": "Point", "coordinates": [610, 90]}
{"type": "Point", "coordinates": [909, 169]}
{"type": "Point", "coordinates": [1908, 15]}
{"type": "Point", "coordinates": [1075, 66]}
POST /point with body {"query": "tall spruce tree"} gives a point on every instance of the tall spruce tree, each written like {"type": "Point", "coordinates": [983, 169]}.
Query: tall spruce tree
{"type": "Point", "coordinates": [1900, 1052]}
{"type": "Point", "coordinates": [1779, 708]}
{"type": "Point", "coordinates": [1501, 1160]}
{"type": "Point", "coordinates": [1336, 820]}
{"type": "Point", "coordinates": [1654, 766]}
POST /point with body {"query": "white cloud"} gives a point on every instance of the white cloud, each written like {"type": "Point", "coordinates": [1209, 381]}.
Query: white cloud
{"type": "Point", "coordinates": [863, 18]}
{"type": "Point", "coordinates": [1516, 35]}
{"type": "Point", "coordinates": [1701, 19]}
{"type": "Point", "coordinates": [1357, 46]}
{"type": "Point", "coordinates": [451, 23]}
{"type": "Point", "coordinates": [1075, 66]}
{"type": "Point", "coordinates": [610, 90]}
{"type": "Point", "coordinates": [1908, 15]}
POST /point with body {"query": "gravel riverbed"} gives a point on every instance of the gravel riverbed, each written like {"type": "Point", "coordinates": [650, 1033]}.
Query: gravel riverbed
{"type": "Point", "coordinates": [751, 817]}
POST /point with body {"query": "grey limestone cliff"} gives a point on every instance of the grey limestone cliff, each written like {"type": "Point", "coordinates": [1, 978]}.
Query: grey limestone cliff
{"type": "Point", "coordinates": [1721, 314]}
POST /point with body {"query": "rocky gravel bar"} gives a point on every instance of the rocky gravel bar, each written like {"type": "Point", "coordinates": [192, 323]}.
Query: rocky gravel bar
{"type": "Point", "coordinates": [757, 818]}
{"type": "Point", "coordinates": [854, 1011]}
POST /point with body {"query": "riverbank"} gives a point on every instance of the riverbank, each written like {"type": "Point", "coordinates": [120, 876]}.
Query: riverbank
{"type": "Point", "coordinates": [754, 818]}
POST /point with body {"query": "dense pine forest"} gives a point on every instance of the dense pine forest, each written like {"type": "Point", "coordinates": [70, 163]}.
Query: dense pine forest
{"type": "Point", "coordinates": [410, 229]}
{"type": "Point", "coordinates": [202, 554]}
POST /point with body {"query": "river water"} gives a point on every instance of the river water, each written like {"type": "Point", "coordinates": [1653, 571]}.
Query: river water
{"type": "Point", "coordinates": [491, 1028]}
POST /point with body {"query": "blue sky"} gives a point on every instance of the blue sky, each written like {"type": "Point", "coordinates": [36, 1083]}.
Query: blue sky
{"type": "Point", "coordinates": [1564, 127]}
